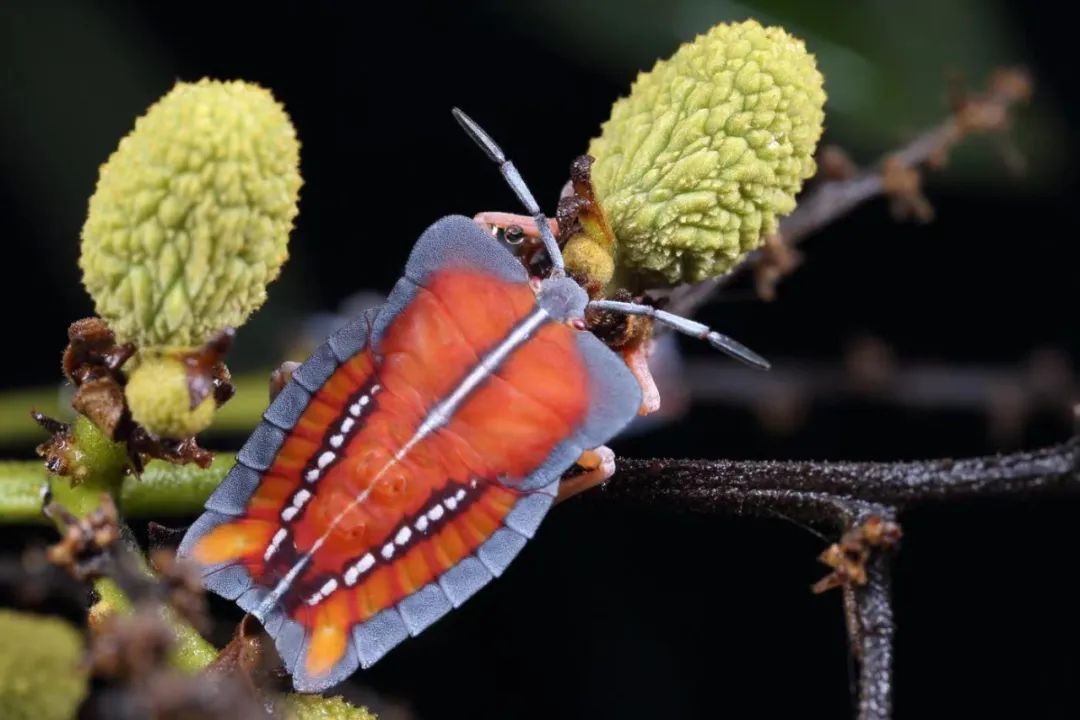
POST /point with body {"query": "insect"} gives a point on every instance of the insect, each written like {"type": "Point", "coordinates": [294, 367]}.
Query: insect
{"type": "Point", "coordinates": [412, 456]}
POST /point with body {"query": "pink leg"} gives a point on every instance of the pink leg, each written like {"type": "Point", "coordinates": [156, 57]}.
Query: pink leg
{"type": "Point", "coordinates": [599, 464]}
{"type": "Point", "coordinates": [503, 220]}
{"type": "Point", "coordinates": [638, 362]}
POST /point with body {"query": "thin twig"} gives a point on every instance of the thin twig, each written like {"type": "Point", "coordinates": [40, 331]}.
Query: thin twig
{"type": "Point", "coordinates": [894, 175]}
{"type": "Point", "coordinates": [873, 611]}
{"type": "Point", "coordinates": [1007, 395]}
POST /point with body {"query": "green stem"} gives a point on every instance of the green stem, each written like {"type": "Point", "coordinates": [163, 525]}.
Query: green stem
{"type": "Point", "coordinates": [95, 461]}
{"type": "Point", "coordinates": [15, 406]}
{"type": "Point", "coordinates": [192, 652]}
{"type": "Point", "coordinates": [99, 463]}
{"type": "Point", "coordinates": [21, 483]}
{"type": "Point", "coordinates": [166, 490]}
{"type": "Point", "coordinates": [239, 415]}
{"type": "Point", "coordinates": [163, 490]}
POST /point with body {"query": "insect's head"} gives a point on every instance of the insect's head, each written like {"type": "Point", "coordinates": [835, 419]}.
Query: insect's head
{"type": "Point", "coordinates": [563, 298]}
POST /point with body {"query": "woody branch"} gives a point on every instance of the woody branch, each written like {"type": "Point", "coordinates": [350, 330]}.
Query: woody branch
{"type": "Point", "coordinates": [860, 499]}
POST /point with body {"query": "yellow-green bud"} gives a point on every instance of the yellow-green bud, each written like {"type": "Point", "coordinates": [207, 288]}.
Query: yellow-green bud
{"type": "Point", "coordinates": [314, 707]}
{"type": "Point", "coordinates": [157, 393]}
{"type": "Point", "coordinates": [42, 675]}
{"type": "Point", "coordinates": [585, 255]}
{"type": "Point", "coordinates": [710, 147]}
{"type": "Point", "coordinates": [191, 217]}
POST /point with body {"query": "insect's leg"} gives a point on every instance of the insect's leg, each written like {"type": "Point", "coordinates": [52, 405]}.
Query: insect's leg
{"type": "Point", "coordinates": [687, 326]}
{"type": "Point", "coordinates": [599, 465]}
{"type": "Point", "coordinates": [494, 219]}
{"type": "Point", "coordinates": [638, 362]}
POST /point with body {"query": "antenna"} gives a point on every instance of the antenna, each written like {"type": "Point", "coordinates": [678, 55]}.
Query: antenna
{"type": "Point", "coordinates": [687, 326]}
{"type": "Point", "coordinates": [517, 184]}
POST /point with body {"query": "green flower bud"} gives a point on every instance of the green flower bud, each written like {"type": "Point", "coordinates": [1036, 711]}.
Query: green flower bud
{"type": "Point", "coordinates": [710, 147]}
{"type": "Point", "coordinates": [191, 216]}
{"type": "Point", "coordinates": [41, 668]}
{"type": "Point", "coordinates": [157, 393]}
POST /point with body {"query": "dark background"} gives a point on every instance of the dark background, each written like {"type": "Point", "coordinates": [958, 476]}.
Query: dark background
{"type": "Point", "coordinates": [620, 612]}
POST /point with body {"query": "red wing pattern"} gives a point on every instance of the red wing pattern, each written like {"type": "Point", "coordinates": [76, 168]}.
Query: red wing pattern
{"type": "Point", "coordinates": [393, 479]}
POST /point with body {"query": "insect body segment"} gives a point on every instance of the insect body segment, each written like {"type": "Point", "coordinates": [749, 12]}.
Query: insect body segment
{"type": "Point", "coordinates": [410, 459]}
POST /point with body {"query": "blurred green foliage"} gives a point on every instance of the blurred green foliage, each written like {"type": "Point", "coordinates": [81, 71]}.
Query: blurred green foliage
{"type": "Point", "coordinates": [41, 672]}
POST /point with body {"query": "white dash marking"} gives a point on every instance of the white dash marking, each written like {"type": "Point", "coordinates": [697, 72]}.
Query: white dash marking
{"type": "Point", "coordinates": [365, 563]}
{"type": "Point", "coordinates": [278, 538]}
{"type": "Point", "coordinates": [472, 483]}
{"type": "Point", "coordinates": [435, 419]}
{"type": "Point", "coordinates": [459, 495]}
{"type": "Point", "coordinates": [312, 475]}
{"type": "Point", "coordinates": [450, 503]}
{"type": "Point", "coordinates": [352, 575]}
{"type": "Point", "coordinates": [289, 513]}
{"type": "Point", "coordinates": [328, 587]}
{"type": "Point", "coordinates": [347, 424]}
{"type": "Point", "coordinates": [422, 523]}
{"type": "Point", "coordinates": [301, 497]}
{"type": "Point", "coordinates": [336, 440]}
{"type": "Point", "coordinates": [403, 535]}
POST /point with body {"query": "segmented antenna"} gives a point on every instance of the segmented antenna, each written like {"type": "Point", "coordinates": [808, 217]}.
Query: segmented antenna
{"type": "Point", "coordinates": [517, 184]}
{"type": "Point", "coordinates": [688, 327]}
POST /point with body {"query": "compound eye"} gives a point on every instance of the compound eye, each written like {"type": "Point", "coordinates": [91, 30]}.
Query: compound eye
{"type": "Point", "coordinates": [512, 235]}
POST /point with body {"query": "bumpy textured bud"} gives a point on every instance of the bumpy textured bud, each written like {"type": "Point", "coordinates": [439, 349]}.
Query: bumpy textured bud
{"type": "Point", "coordinates": [191, 216]}
{"type": "Point", "coordinates": [157, 393]}
{"type": "Point", "coordinates": [710, 147]}
{"type": "Point", "coordinates": [313, 707]}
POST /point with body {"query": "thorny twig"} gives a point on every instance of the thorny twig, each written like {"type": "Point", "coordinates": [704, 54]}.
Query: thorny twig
{"type": "Point", "coordinates": [847, 496]}
{"type": "Point", "coordinates": [31, 581]}
{"type": "Point", "coordinates": [843, 187]}
{"type": "Point", "coordinates": [129, 652]}
{"type": "Point", "coordinates": [100, 546]}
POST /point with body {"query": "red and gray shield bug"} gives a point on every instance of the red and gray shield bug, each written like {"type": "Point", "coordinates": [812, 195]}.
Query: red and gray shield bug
{"type": "Point", "coordinates": [413, 455]}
